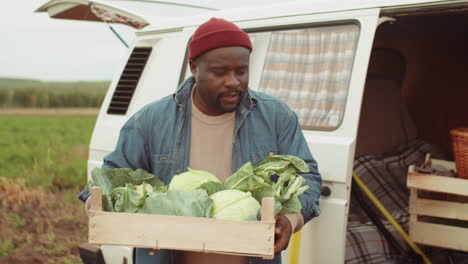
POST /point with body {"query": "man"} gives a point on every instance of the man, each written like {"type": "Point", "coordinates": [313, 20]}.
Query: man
{"type": "Point", "coordinates": [214, 122]}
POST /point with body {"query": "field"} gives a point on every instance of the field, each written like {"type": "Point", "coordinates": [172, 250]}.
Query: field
{"type": "Point", "coordinates": [42, 168]}
{"type": "Point", "coordinates": [47, 94]}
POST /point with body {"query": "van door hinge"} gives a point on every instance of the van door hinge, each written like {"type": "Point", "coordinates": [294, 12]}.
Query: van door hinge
{"type": "Point", "coordinates": [385, 19]}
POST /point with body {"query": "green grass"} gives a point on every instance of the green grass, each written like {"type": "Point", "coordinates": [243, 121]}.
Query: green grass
{"type": "Point", "coordinates": [50, 151]}
{"type": "Point", "coordinates": [15, 220]}
{"type": "Point", "coordinates": [51, 247]}
{"type": "Point", "coordinates": [72, 260]}
{"type": "Point", "coordinates": [6, 247]}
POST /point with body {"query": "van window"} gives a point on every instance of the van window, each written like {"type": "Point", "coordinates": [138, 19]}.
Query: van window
{"type": "Point", "coordinates": [310, 70]}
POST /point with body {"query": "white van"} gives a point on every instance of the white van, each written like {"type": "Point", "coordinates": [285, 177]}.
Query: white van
{"type": "Point", "coordinates": [315, 56]}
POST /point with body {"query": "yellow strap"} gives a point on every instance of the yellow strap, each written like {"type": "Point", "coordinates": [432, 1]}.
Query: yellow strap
{"type": "Point", "coordinates": [295, 248]}
{"type": "Point", "coordinates": [390, 218]}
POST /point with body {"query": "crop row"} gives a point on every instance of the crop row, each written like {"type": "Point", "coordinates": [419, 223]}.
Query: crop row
{"type": "Point", "coordinates": [46, 97]}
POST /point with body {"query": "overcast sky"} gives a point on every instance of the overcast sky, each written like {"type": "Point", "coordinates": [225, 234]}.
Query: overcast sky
{"type": "Point", "coordinates": [32, 45]}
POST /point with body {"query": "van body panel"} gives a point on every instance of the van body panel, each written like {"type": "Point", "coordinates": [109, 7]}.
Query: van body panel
{"type": "Point", "coordinates": [325, 146]}
{"type": "Point", "coordinates": [281, 9]}
{"type": "Point", "coordinates": [117, 254]}
{"type": "Point", "coordinates": [155, 83]}
{"type": "Point", "coordinates": [323, 240]}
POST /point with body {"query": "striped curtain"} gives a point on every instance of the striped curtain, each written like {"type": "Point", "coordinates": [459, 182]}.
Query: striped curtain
{"type": "Point", "coordinates": [310, 70]}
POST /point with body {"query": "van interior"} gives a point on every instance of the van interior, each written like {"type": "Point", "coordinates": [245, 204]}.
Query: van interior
{"type": "Point", "coordinates": [430, 72]}
{"type": "Point", "coordinates": [416, 91]}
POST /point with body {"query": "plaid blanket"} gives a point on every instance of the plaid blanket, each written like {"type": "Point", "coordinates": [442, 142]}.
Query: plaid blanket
{"type": "Point", "coordinates": [386, 178]}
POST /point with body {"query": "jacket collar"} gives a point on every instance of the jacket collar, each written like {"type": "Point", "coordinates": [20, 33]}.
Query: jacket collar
{"type": "Point", "coordinates": [183, 91]}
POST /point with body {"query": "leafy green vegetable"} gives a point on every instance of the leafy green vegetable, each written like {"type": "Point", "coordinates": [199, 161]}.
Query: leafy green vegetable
{"type": "Point", "coordinates": [144, 188]}
{"type": "Point", "coordinates": [129, 198]}
{"type": "Point", "coordinates": [276, 176]}
{"type": "Point", "coordinates": [212, 187]}
{"type": "Point", "coordinates": [109, 179]}
{"type": "Point", "coordinates": [190, 180]}
{"type": "Point", "coordinates": [273, 161]}
{"type": "Point", "coordinates": [272, 167]}
{"type": "Point", "coordinates": [234, 205]}
{"type": "Point", "coordinates": [100, 179]}
{"type": "Point", "coordinates": [245, 179]}
{"type": "Point", "coordinates": [139, 176]}
{"type": "Point", "coordinates": [262, 192]}
{"type": "Point", "coordinates": [198, 193]}
{"type": "Point", "coordinates": [179, 203]}
{"type": "Point", "coordinates": [289, 206]}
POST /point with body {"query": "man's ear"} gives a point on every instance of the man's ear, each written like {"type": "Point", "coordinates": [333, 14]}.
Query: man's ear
{"type": "Point", "coordinates": [193, 68]}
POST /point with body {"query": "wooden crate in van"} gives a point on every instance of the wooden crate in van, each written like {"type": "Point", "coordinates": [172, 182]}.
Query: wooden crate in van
{"type": "Point", "coordinates": [246, 238]}
{"type": "Point", "coordinates": [438, 208]}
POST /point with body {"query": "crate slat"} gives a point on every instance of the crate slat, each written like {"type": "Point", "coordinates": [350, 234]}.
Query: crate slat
{"type": "Point", "coordinates": [443, 209]}
{"type": "Point", "coordinates": [447, 164]}
{"type": "Point", "coordinates": [437, 183]}
{"type": "Point", "coordinates": [95, 200]}
{"type": "Point", "coordinates": [439, 235]}
{"type": "Point", "coordinates": [247, 238]}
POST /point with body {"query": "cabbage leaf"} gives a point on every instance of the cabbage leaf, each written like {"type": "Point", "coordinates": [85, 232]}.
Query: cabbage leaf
{"type": "Point", "coordinates": [212, 187]}
{"type": "Point", "coordinates": [276, 176]}
{"type": "Point", "coordinates": [245, 179]}
{"type": "Point", "coordinates": [128, 199]}
{"type": "Point", "coordinates": [234, 205]}
{"type": "Point", "coordinates": [109, 179]}
{"type": "Point", "coordinates": [190, 180]}
{"type": "Point", "coordinates": [178, 203]}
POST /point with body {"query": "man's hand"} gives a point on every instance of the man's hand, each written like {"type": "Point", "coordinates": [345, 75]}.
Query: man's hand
{"type": "Point", "coordinates": [283, 232]}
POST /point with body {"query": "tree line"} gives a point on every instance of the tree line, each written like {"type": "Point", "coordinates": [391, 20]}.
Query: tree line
{"type": "Point", "coordinates": [38, 94]}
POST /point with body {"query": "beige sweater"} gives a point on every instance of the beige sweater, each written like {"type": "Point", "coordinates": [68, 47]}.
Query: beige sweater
{"type": "Point", "coordinates": [211, 142]}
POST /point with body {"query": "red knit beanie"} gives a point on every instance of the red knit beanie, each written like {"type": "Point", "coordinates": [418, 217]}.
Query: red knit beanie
{"type": "Point", "coordinates": [217, 33]}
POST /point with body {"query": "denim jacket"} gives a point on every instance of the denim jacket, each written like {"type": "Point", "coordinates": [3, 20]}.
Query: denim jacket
{"type": "Point", "coordinates": [157, 139]}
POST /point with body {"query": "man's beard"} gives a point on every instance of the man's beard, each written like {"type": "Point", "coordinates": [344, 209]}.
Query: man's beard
{"type": "Point", "coordinates": [230, 109]}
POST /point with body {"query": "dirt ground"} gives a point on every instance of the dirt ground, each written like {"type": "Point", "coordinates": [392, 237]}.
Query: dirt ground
{"type": "Point", "coordinates": [39, 227]}
{"type": "Point", "coordinates": [50, 111]}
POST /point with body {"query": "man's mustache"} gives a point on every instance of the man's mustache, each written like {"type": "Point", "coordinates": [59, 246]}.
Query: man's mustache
{"type": "Point", "coordinates": [232, 92]}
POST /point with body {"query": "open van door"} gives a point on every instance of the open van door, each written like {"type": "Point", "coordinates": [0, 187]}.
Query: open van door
{"type": "Point", "coordinates": [317, 64]}
{"type": "Point", "coordinates": [333, 141]}
{"type": "Point", "coordinates": [91, 10]}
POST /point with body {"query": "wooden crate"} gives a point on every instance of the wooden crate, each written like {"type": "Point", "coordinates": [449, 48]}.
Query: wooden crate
{"type": "Point", "coordinates": [246, 238]}
{"type": "Point", "coordinates": [443, 232]}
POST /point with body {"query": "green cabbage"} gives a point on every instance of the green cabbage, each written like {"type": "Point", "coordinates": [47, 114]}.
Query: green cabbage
{"type": "Point", "coordinates": [129, 198]}
{"type": "Point", "coordinates": [179, 203]}
{"type": "Point", "coordinates": [108, 179]}
{"type": "Point", "coordinates": [234, 205]}
{"type": "Point", "coordinates": [190, 180]}
{"type": "Point", "coordinates": [144, 188]}
{"type": "Point", "coordinates": [276, 176]}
